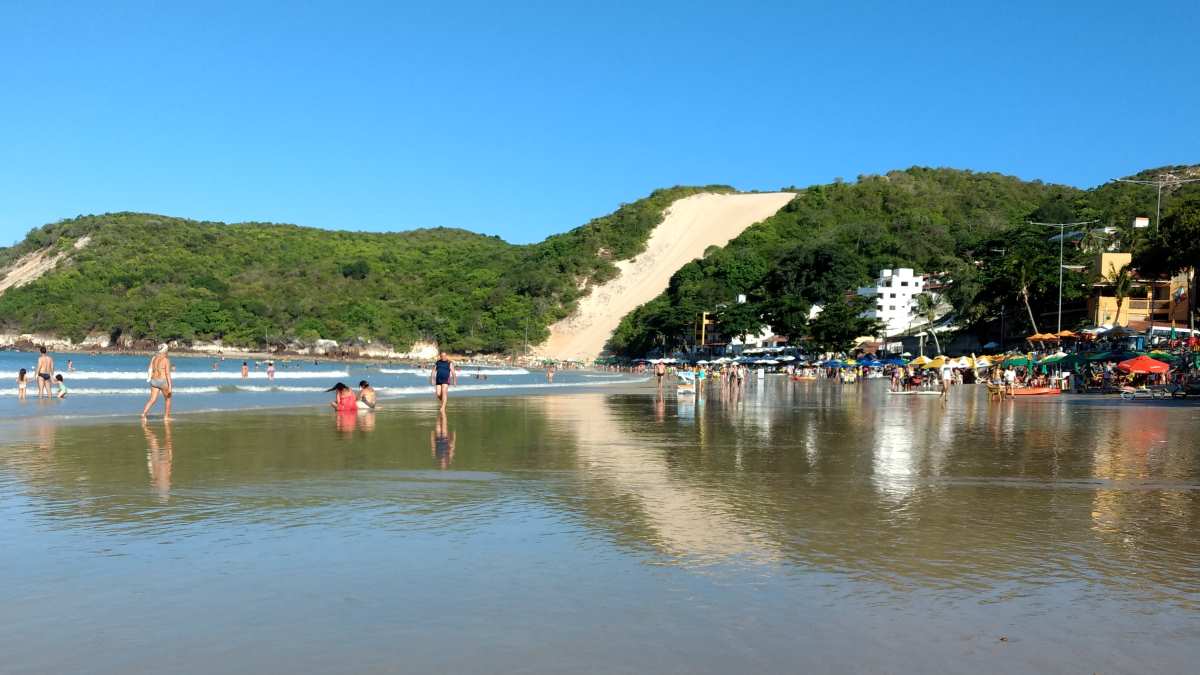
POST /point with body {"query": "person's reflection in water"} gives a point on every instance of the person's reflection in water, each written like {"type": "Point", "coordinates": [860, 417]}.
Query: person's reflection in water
{"type": "Point", "coordinates": [159, 458]}
{"type": "Point", "coordinates": [366, 421]}
{"type": "Point", "coordinates": [660, 407]}
{"type": "Point", "coordinates": [441, 442]}
{"type": "Point", "coordinates": [346, 421]}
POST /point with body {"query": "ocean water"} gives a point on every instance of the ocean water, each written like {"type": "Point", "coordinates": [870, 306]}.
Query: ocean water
{"type": "Point", "coordinates": [107, 385]}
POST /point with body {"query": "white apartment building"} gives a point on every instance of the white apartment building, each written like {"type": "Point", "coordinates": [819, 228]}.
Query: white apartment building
{"type": "Point", "coordinates": [894, 293]}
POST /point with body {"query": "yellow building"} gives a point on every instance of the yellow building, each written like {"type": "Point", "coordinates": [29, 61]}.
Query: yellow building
{"type": "Point", "coordinates": [1150, 301]}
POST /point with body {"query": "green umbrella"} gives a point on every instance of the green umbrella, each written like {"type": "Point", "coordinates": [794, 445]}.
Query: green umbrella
{"type": "Point", "coordinates": [1163, 356]}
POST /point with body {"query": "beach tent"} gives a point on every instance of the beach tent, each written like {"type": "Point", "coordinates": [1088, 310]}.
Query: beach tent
{"type": "Point", "coordinates": [1142, 364]}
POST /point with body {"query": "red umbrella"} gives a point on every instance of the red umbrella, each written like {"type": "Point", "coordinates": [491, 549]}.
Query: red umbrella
{"type": "Point", "coordinates": [1143, 364]}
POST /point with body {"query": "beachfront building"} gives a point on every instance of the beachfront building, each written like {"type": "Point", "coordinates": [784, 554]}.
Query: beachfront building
{"type": "Point", "coordinates": [1150, 301]}
{"type": "Point", "coordinates": [894, 294]}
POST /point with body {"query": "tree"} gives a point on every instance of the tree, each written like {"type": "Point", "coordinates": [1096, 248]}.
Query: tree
{"type": "Point", "coordinates": [738, 319]}
{"type": "Point", "coordinates": [1122, 282]}
{"type": "Point", "coordinates": [840, 322]}
{"type": "Point", "coordinates": [927, 305]}
{"type": "Point", "coordinates": [1175, 248]}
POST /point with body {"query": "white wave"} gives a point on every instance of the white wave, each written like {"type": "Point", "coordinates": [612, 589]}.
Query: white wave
{"type": "Point", "coordinates": [207, 375]}
{"type": "Point", "coordinates": [128, 391]}
{"type": "Point", "coordinates": [462, 370]}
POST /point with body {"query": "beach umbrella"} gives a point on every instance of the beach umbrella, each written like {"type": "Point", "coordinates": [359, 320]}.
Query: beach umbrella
{"type": "Point", "coordinates": [1166, 357]}
{"type": "Point", "coordinates": [1066, 334]}
{"type": "Point", "coordinates": [1018, 360]}
{"type": "Point", "coordinates": [1143, 364]}
{"type": "Point", "coordinates": [983, 362]}
{"type": "Point", "coordinates": [920, 360]}
{"type": "Point", "coordinates": [936, 363]}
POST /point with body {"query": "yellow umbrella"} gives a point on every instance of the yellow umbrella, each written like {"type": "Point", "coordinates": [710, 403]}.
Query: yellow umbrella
{"type": "Point", "coordinates": [936, 363]}
{"type": "Point", "coordinates": [920, 361]}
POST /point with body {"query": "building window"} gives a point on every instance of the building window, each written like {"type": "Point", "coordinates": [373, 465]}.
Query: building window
{"type": "Point", "coordinates": [891, 307]}
{"type": "Point", "coordinates": [891, 295]}
{"type": "Point", "coordinates": [903, 283]}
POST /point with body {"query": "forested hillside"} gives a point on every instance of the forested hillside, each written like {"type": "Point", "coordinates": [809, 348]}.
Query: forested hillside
{"type": "Point", "coordinates": [975, 228]}
{"type": "Point", "coordinates": [153, 277]}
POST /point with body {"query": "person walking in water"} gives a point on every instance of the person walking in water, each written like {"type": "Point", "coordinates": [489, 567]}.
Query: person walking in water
{"type": "Point", "coordinates": [443, 375]}
{"type": "Point", "coordinates": [160, 382]}
{"type": "Point", "coordinates": [45, 370]}
{"type": "Point", "coordinates": [660, 372]}
{"type": "Point", "coordinates": [245, 370]}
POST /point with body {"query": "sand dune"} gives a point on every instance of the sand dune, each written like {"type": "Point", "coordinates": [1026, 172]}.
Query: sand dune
{"type": "Point", "coordinates": [32, 266]}
{"type": "Point", "coordinates": [691, 225]}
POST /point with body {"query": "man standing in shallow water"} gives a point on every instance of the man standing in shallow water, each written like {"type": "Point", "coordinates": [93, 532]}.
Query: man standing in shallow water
{"type": "Point", "coordinates": [160, 382]}
{"type": "Point", "coordinates": [443, 375]}
{"type": "Point", "coordinates": [45, 370]}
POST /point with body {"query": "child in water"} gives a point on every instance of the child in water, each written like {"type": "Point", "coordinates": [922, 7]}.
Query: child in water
{"type": "Point", "coordinates": [62, 386]}
{"type": "Point", "coordinates": [22, 382]}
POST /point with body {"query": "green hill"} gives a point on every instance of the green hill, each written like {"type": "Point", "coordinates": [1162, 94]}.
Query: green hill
{"type": "Point", "coordinates": [975, 228]}
{"type": "Point", "coordinates": [153, 277]}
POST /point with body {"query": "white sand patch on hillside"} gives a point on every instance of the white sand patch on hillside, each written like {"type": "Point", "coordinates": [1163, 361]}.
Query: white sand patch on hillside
{"type": "Point", "coordinates": [691, 225]}
{"type": "Point", "coordinates": [33, 265]}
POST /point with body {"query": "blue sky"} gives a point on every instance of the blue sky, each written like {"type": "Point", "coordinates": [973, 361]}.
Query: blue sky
{"type": "Point", "coordinates": [530, 119]}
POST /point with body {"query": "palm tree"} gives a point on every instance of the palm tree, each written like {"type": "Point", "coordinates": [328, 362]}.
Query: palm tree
{"type": "Point", "coordinates": [927, 307]}
{"type": "Point", "coordinates": [1122, 282]}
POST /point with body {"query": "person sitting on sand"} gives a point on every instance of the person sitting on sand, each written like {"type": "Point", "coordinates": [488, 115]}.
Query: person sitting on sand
{"type": "Point", "coordinates": [160, 382]}
{"type": "Point", "coordinates": [344, 400]}
{"type": "Point", "coordinates": [366, 396]}
{"type": "Point", "coordinates": [62, 386]}
{"type": "Point", "coordinates": [442, 376]}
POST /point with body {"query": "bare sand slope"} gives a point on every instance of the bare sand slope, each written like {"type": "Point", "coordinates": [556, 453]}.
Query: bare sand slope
{"type": "Point", "coordinates": [691, 225]}
{"type": "Point", "coordinates": [30, 266]}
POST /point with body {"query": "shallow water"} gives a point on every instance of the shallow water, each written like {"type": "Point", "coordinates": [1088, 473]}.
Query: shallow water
{"type": "Point", "coordinates": [799, 528]}
{"type": "Point", "coordinates": [109, 385]}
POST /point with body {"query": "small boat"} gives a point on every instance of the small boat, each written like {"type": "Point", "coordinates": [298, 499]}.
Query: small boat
{"type": "Point", "coordinates": [1035, 391]}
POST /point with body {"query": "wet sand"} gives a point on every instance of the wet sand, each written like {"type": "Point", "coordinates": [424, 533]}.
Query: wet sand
{"type": "Point", "coordinates": [797, 528]}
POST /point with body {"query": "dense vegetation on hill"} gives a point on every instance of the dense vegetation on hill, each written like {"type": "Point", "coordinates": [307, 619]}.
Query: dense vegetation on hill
{"type": "Point", "coordinates": [153, 277]}
{"type": "Point", "coordinates": [978, 229]}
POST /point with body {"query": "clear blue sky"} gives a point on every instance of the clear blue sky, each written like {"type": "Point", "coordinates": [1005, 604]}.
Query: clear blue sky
{"type": "Point", "coordinates": [529, 119]}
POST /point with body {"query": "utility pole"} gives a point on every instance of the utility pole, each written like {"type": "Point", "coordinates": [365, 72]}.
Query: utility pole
{"type": "Point", "coordinates": [1162, 180]}
{"type": "Point", "coordinates": [1062, 235]}
{"type": "Point", "coordinates": [1169, 180]}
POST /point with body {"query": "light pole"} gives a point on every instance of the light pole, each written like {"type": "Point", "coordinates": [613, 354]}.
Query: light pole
{"type": "Point", "coordinates": [1003, 304]}
{"type": "Point", "coordinates": [1062, 235]}
{"type": "Point", "coordinates": [1163, 180]}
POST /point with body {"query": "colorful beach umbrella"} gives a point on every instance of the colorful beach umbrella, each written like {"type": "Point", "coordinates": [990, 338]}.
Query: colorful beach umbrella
{"type": "Point", "coordinates": [1142, 364]}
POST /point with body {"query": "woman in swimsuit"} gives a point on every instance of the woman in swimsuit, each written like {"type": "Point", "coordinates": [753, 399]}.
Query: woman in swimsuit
{"type": "Point", "coordinates": [160, 382]}
{"type": "Point", "coordinates": [344, 400]}
{"type": "Point", "coordinates": [443, 375]}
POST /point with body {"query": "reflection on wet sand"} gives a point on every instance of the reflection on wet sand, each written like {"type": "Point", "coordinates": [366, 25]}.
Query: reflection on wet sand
{"type": "Point", "coordinates": [975, 497]}
{"type": "Point", "coordinates": [159, 458]}
{"type": "Point", "coordinates": [442, 441]}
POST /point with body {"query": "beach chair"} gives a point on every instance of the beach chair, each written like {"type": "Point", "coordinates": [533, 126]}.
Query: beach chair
{"type": "Point", "coordinates": [995, 391]}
